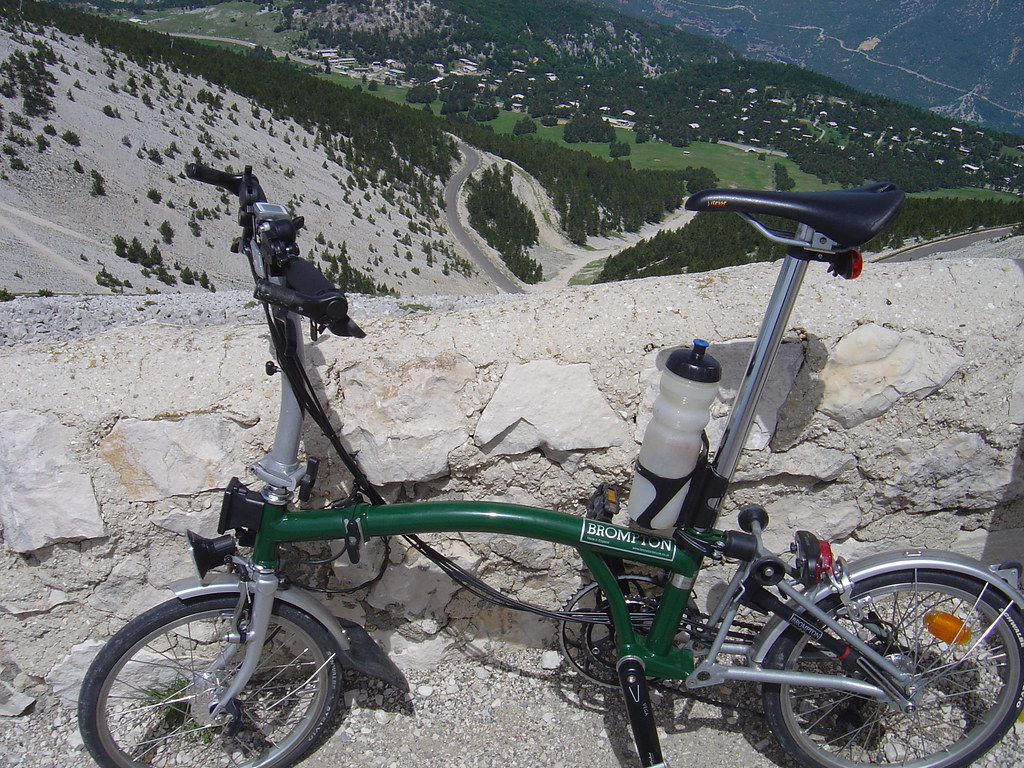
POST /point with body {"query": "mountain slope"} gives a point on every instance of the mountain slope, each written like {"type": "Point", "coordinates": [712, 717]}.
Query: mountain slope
{"type": "Point", "coordinates": [565, 37]}
{"type": "Point", "coordinates": [959, 57]}
{"type": "Point", "coordinates": [92, 193]}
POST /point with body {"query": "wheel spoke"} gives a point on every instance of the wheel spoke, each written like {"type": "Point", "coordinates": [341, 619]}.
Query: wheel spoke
{"type": "Point", "coordinates": [152, 706]}
{"type": "Point", "coordinates": [967, 684]}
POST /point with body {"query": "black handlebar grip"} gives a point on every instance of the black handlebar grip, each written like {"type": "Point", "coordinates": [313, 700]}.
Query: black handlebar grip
{"type": "Point", "coordinates": [329, 308]}
{"type": "Point", "coordinates": [280, 296]}
{"type": "Point", "coordinates": [305, 277]}
{"type": "Point", "coordinates": [227, 181]}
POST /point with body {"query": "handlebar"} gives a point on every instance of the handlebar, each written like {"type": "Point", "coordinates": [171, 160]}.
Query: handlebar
{"type": "Point", "coordinates": [329, 308]}
{"type": "Point", "coordinates": [207, 175]}
{"type": "Point", "coordinates": [306, 291]}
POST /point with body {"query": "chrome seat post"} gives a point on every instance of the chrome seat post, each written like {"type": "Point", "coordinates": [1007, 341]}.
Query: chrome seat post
{"type": "Point", "coordinates": [766, 346]}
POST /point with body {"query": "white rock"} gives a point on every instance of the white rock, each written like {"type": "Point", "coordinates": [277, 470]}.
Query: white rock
{"type": "Point", "coordinates": [12, 701]}
{"type": "Point", "coordinates": [992, 547]}
{"type": "Point", "coordinates": [1016, 412]}
{"type": "Point", "coordinates": [174, 456]}
{"type": "Point", "coordinates": [46, 601]}
{"type": "Point", "coordinates": [961, 471]}
{"type": "Point", "coordinates": [873, 367]}
{"type": "Point", "coordinates": [417, 588]}
{"type": "Point", "coordinates": [550, 660]}
{"type": "Point", "coordinates": [65, 677]}
{"type": "Point", "coordinates": [417, 656]}
{"type": "Point", "coordinates": [45, 496]}
{"type": "Point", "coordinates": [831, 522]}
{"type": "Point", "coordinates": [542, 404]}
{"type": "Point", "coordinates": [404, 423]}
{"type": "Point", "coordinates": [802, 460]}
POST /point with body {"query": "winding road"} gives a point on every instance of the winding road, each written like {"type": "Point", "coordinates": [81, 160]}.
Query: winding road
{"type": "Point", "coordinates": [947, 244]}
{"type": "Point", "coordinates": [501, 280]}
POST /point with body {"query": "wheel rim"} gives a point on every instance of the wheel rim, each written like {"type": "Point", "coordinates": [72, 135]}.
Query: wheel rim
{"type": "Point", "coordinates": [969, 686]}
{"type": "Point", "coordinates": [153, 707]}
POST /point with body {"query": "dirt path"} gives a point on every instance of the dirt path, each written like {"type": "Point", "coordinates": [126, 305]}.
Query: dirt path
{"type": "Point", "coordinates": [61, 262]}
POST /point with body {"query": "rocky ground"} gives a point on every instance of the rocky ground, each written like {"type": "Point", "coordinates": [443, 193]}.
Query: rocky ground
{"type": "Point", "coordinates": [510, 707]}
{"type": "Point", "coordinates": [54, 318]}
{"type": "Point", "coordinates": [39, 318]}
{"type": "Point", "coordinates": [502, 705]}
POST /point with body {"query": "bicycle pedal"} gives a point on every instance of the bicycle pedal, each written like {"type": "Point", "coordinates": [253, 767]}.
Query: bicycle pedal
{"type": "Point", "coordinates": [603, 503]}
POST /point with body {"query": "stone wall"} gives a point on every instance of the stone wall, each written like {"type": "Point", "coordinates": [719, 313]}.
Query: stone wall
{"type": "Point", "coordinates": [894, 417]}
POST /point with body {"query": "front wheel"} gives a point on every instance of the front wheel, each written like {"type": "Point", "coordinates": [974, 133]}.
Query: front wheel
{"type": "Point", "coordinates": [962, 639]}
{"type": "Point", "coordinates": [145, 699]}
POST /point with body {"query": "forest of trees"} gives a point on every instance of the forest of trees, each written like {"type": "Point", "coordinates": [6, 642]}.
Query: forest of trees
{"type": "Point", "coordinates": [592, 196]}
{"type": "Point", "coordinates": [567, 61]}
{"type": "Point", "coordinates": [386, 143]}
{"type": "Point", "coordinates": [716, 240]}
{"type": "Point", "coordinates": [504, 221]}
{"type": "Point", "coordinates": [569, 38]}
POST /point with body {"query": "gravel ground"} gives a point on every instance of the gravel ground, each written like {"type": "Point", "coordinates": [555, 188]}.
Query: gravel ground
{"type": "Point", "coordinates": [500, 710]}
{"type": "Point", "coordinates": [55, 318]}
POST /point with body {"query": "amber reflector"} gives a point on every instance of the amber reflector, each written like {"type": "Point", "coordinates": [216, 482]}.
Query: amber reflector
{"type": "Point", "coordinates": [947, 627]}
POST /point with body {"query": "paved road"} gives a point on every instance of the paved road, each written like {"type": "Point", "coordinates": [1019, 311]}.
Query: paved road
{"type": "Point", "coordinates": [948, 244]}
{"type": "Point", "coordinates": [486, 265]}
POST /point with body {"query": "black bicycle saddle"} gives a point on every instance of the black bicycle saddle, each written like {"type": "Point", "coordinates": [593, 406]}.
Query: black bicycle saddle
{"type": "Point", "coordinates": [851, 217]}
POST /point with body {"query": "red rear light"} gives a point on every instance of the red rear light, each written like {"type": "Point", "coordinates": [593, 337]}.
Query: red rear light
{"type": "Point", "coordinates": [823, 568]}
{"type": "Point", "coordinates": [856, 265]}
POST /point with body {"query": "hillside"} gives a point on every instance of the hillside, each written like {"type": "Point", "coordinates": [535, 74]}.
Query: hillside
{"type": "Point", "coordinates": [104, 115]}
{"type": "Point", "coordinates": [101, 119]}
{"type": "Point", "coordinates": [566, 38]}
{"type": "Point", "coordinates": [958, 57]}
{"type": "Point", "coordinates": [566, 62]}
{"type": "Point", "coordinates": [103, 159]}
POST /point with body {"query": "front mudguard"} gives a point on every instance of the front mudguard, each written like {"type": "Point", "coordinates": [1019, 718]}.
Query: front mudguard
{"type": "Point", "coordinates": [889, 562]}
{"type": "Point", "coordinates": [358, 650]}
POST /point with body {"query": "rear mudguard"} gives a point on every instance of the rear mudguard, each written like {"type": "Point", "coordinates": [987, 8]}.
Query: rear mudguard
{"type": "Point", "coordinates": [888, 562]}
{"type": "Point", "coordinates": [358, 649]}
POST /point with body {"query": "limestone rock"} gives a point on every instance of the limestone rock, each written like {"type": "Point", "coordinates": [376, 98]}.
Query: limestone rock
{"type": "Point", "coordinates": [45, 496]}
{"type": "Point", "coordinates": [992, 546]}
{"type": "Point", "coordinates": [416, 587]}
{"type": "Point", "coordinates": [12, 701]}
{"type": "Point", "coordinates": [873, 367]}
{"type": "Point", "coordinates": [172, 457]}
{"type": "Point", "coordinates": [46, 601]}
{"type": "Point", "coordinates": [403, 423]}
{"type": "Point", "coordinates": [417, 656]}
{"type": "Point", "coordinates": [125, 592]}
{"type": "Point", "coordinates": [961, 471]}
{"type": "Point", "coordinates": [831, 522]}
{"type": "Point", "coordinates": [65, 677]}
{"type": "Point", "coordinates": [542, 404]}
{"type": "Point", "coordinates": [803, 460]}
{"type": "Point", "coordinates": [1017, 399]}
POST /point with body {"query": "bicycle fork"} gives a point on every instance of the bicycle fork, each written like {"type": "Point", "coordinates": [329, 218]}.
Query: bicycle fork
{"type": "Point", "coordinates": [260, 593]}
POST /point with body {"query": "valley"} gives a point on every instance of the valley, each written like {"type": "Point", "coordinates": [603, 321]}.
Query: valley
{"type": "Point", "coordinates": [93, 197]}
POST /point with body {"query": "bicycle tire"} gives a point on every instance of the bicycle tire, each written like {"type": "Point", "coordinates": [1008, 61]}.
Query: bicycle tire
{"type": "Point", "coordinates": [973, 696]}
{"type": "Point", "coordinates": [144, 700]}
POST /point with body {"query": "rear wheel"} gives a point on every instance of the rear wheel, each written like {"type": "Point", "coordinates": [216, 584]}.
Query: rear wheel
{"type": "Point", "coordinates": [145, 699]}
{"type": "Point", "coordinates": [963, 639]}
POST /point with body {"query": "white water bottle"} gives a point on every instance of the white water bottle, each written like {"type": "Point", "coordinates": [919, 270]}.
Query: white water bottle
{"type": "Point", "coordinates": [674, 438]}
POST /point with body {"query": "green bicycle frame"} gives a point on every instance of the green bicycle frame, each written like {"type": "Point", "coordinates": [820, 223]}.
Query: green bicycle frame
{"type": "Point", "coordinates": [594, 540]}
